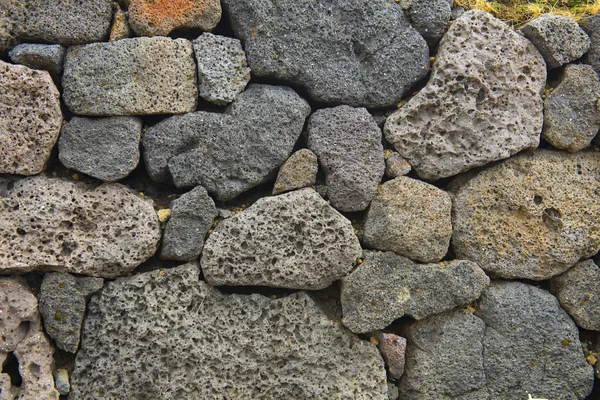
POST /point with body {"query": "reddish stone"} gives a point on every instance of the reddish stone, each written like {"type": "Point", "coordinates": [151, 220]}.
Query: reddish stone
{"type": "Point", "coordinates": [392, 348]}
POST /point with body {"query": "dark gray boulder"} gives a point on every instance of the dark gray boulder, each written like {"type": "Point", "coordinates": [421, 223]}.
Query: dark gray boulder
{"type": "Point", "coordinates": [430, 18]}
{"type": "Point", "coordinates": [48, 57]}
{"type": "Point", "coordinates": [591, 26]}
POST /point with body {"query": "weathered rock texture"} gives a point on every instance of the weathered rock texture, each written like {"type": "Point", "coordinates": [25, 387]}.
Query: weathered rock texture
{"type": "Point", "coordinates": [232, 152]}
{"type": "Point", "coordinates": [430, 18]}
{"type": "Point", "coordinates": [518, 341]}
{"type": "Point", "coordinates": [50, 224]}
{"type": "Point", "coordinates": [62, 305]}
{"type": "Point", "coordinates": [21, 334]}
{"type": "Point", "coordinates": [120, 27]}
{"type": "Point", "coordinates": [411, 218]}
{"type": "Point", "coordinates": [387, 286]}
{"type": "Point", "coordinates": [30, 119]}
{"type": "Point", "coordinates": [48, 57]}
{"type": "Point", "coordinates": [294, 240]}
{"type": "Point", "coordinates": [131, 77]}
{"type": "Point", "coordinates": [343, 51]}
{"type": "Point", "coordinates": [177, 337]}
{"type": "Point", "coordinates": [393, 350]}
{"type": "Point", "coordinates": [347, 142]}
{"type": "Point", "coordinates": [532, 216]}
{"type": "Point", "coordinates": [159, 17]}
{"type": "Point", "coordinates": [396, 165]}
{"type": "Point", "coordinates": [299, 171]}
{"type": "Point", "coordinates": [591, 26]}
{"type": "Point", "coordinates": [481, 104]}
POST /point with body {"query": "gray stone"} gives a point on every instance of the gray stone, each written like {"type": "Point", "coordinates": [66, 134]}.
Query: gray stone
{"type": "Point", "coordinates": [430, 18]}
{"type": "Point", "coordinates": [411, 218]}
{"type": "Point", "coordinates": [30, 119]}
{"type": "Point", "coordinates": [578, 292]}
{"type": "Point", "coordinates": [299, 171]}
{"type": "Point", "coordinates": [120, 28]}
{"type": "Point", "coordinates": [21, 334]}
{"type": "Point", "coordinates": [396, 165]}
{"type": "Point", "coordinates": [457, 12]}
{"type": "Point", "coordinates": [393, 393]}
{"type": "Point", "coordinates": [294, 240]}
{"type": "Point", "coordinates": [386, 286]}
{"type": "Point", "coordinates": [343, 51]}
{"type": "Point", "coordinates": [572, 109]}
{"type": "Point", "coordinates": [231, 152]}
{"type": "Point", "coordinates": [175, 337]}
{"type": "Point", "coordinates": [392, 348]}
{"type": "Point", "coordinates": [61, 380]}
{"type": "Point", "coordinates": [591, 26]}
{"type": "Point", "coordinates": [222, 68]}
{"type": "Point", "coordinates": [136, 76]}
{"type": "Point", "coordinates": [347, 142]}
{"type": "Point", "coordinates": [48, 57]}
{"type": "Point", "coordinates": [532, 216]}
{"type": "Point", "coordinates": [192, 216]}
{"type": "Point", "coordinates": [105, 148]}
{"type": "Point", "coordinates": [559, 38]}
{"type": "Point", "coordinates": [494, 110]}
{"type": "Point", "coordinates": [50, 224]}
{"type": "Point", "coordinates": [62, 304]}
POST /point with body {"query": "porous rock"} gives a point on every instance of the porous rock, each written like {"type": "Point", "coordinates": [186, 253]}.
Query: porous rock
{"type": "Point", "coordinates": [227, 153]}
{"type": "Point", "coordinates": [343, 51]}
{"type": "Point", "coordinates": [392, 348]}
{"type": "Point", "coordinates": [222, 68]}
{"type": "Point", "coordinates": [532, 216]}
{"type": "Point", "coordinates": [192, 216]}
{"type": "Point", "coordinates": [518, 341]}
{"type": "Point", "coordinates": [218, 346]}
{"type": "Point", "coordinates": [411, 218]}
{"type": "Point", "coordinates": [294, 240]}
{"type": "Point", "coordinates": [299, 171]}
{"type": "Point", "coordinates": [559, 38]}
{"type": "Point", "coordinates": [62, 305]}
{"type": "Point", "coordinates": [48, 57]}
{"type": "Point", "coordinates": [347, 142]}
{"type": "Point", "coordinates": [30, 119]}
{"type": "Point", "coordinates": [572, 109]}
{"type": "Point", "coordinates": [159, 18]}
{"type": "Point", "coordinates": [578, 292]}
{"type": "Point", "coordinates": [105, 148]}
{"type": "Point", "coordinates": [136, 76]}
{"type": "Point", "coordinates": [120, 27]}
{"type": "Point", "coordinates": [50, 224]}
{"type": "Point", "coordinates": [387, 286]}
{"type": "Point", "coordinates": [430, 18]}
{"type": "Point", "coordinates": [22, 336]}
{"type": "Point", "coordinates": [396, 165]}
{"type": "Point", "coordinates": [481, 104]}
{"type": "Point", "coordinates": [591, 26]}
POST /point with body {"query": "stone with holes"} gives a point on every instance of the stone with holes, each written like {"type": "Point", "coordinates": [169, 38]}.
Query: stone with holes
{"type": "Point", "coordinates": [48, 57]}
{"type": "Point", "coordinates": [299, 171]}
{"type": "Point", "coordinates": [532, 216]}
{"type": "Point", "coordinates": [591, 26]}
{"type": "Point", "coordinates": [482, 102]}
{"type": "Point", "coordinates": [120, 28]}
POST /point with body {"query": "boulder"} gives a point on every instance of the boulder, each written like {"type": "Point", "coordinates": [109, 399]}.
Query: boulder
{"type": "Point", "coordinates": [299, 171]}
{"type": "Point", "coordinates": [48, 57]}
{"type": "Point", "coordinates": [392, 348]}
{"type": "Point", "coordinates": [430, 18]}
{"type": "Point", "coordinates": [396, 165]}
{"type": "Point", "coordinates": [591, 26]}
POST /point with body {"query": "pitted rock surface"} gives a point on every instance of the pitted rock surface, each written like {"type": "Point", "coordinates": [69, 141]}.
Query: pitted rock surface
{"type": "Point", "coordinates": [294, 240]}
{"type": "Point", "coordinates": [50, 224]}
{"type": "Point", "coordinates": [591, 26]}
{"type": "Point", "coordinates": [482, 103]}
{"type": "Point", "coordinates": [179, 338]}
{"type": "Point", "coordinates": [532, 216]}
{"type": "Point", "coordinates": [48, 57]}
{"type": "Point", "coordinates": [411, 218]}
{"type": "Point", "coordinates": [387, 286]}
{"type": "Point", "coordinates": [231, 152]}
{"type": "Point", "coordinates": [136, 76]}
{"type": "Point", "coordinates": [347, 142]}
{"type": "Point", "coordinates": [343, 51]}
{"type": "Point", "coordinates": [30, 119]}
{"type": "Point", "coordinates": [299, 171]}
{"type": "Point", "coordinates": [120, 27]}
{"type": "Point", "coordinates": [160, 17]}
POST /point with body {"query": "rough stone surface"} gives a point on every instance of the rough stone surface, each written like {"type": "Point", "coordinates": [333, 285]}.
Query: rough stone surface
{"type": "Point", "coordinates": [48, 57]}
{"type": "Point", "coordinates": [299, 171]}
{"type": "Point", "coordinates": [294, 240]}
{"type": "Point", "coordinates": [393, 392]}
{"type": "Point", "coordinates": [222, 68]}
{"type": "Point", "coordinates": [396, 165]}
{"type": "Point", "coordinates": [21, 334]}
{"type": "Point", "coordinates": [559, 38]}
{"type": "Point", "coordinates": [494, 109]}
{"type": "Point", "coordinates": [30, 119]}
{"type": "Point", "coordinates": [343, 51]}
{"type": "Point", "coordinates": [532, 216]}
{"type": "Point", "coordinates": [411, 218]}
{"type": "Point", "coordinates": [50, 224]}
{"type": "Point", "coordinates": [131, 77]}
{"type": "Point", "coordinates": [120, 27]}
{"type": "Point", "coordinates": [347, 142]}
{"type": "Point", "coordinates": [578, 292]}
{"type": "Point", "coordinates": [61, 380]}
{"type": "Point", "coordinates": [518, 341]}
{"type": "Point", "coordinates": [392, 348]}
{"type": "Point", "coordinates": [387, 286]}
{"type": "Point", "coordinates": [430, 18]}
{"type": "Point", "coordinates": [572, 109]}
{"type": "Point", "coordinates": [62, 305]}
{"type": "Point", "coordinates": [232, 152]}
{"type": "Point", "coordinates": [105, 148]}
{"type": "Point", "coordinates": [591, 26]}
{"type": "Point", "coordinates": [159, 17]}
{"type": "Point", "coordinates": [179, 338]}
{"type": "Point", "coordinates": [191, 217]}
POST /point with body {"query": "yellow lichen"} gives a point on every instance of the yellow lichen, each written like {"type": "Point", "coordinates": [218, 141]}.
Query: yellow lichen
{"type": "Point", "coordinates": [75, 177]}
{"type": "Point", "coordinates": [164, 214]}
{"type": "Point", "coordinates": [374, 340]}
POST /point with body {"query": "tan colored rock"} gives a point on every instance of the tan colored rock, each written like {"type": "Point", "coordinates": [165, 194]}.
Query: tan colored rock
{"type": "Point", "coordinates": [120, 27]}
{"type": "Point", "coordinates": [396, 165]}
{"type": "Point", "coordinates": [299, 171]}
{"type": "Point", "coordinates": [30, 119]}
